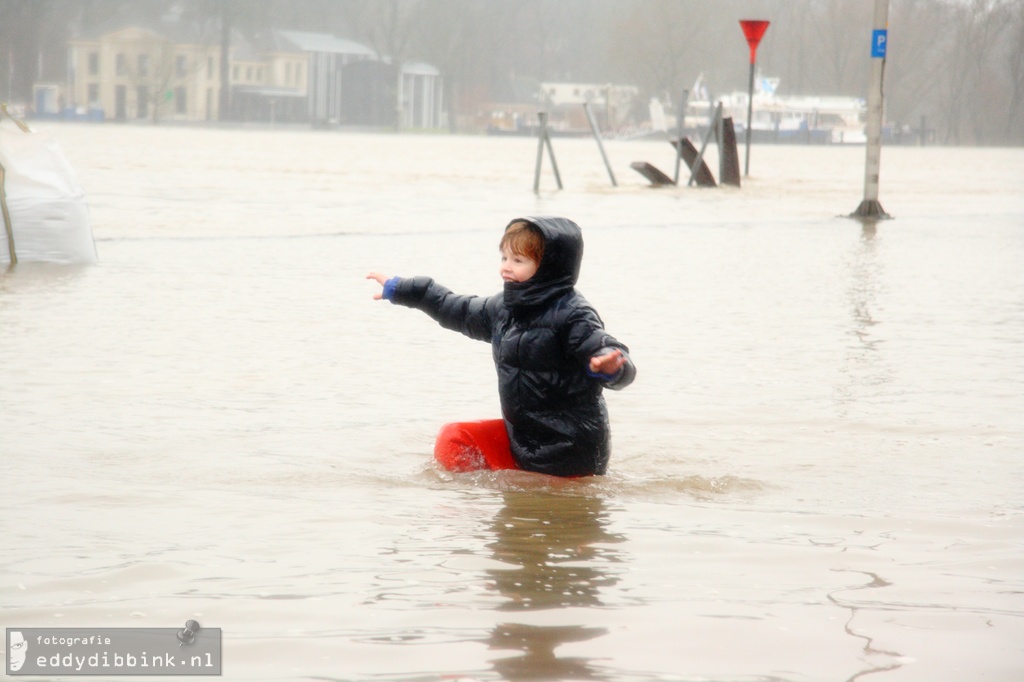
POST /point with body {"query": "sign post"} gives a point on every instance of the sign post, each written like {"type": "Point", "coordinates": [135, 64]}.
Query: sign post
{"type": "Point", "coordinates": [870, 208]}
{"type": "Point", "coordinates": [754, 31]}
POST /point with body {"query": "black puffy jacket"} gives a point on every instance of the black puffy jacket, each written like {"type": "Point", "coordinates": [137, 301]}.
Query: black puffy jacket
{"type": "Point", "coordinates": [542, 334]}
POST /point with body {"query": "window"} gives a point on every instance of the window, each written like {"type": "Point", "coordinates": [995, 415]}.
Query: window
{"type": "Point", "coordinates": [248, 74]}
{"type": "Point", "coordinates": [234, 73]}
{"type": "Point", "coordinates": [94, 63]}
{"type": "Point", "coordinates": [120, 102]}
{"type": "Point", "coordinates": [143, 64]}
{"type": "Point", "coordinates": [181, 66]}
{"type": "Point", "coordinates": [142, 101]}
{"type": "Point", "coordinates": [298, 74]}
{"type": "Point", "coordinates": [288, 73]}
{"type": "Point", "coordinates": [94, 94]}
{"type": "Point", "coordinates": [121, 64]}
{"type": "Point", "coordinates": [180, 101]}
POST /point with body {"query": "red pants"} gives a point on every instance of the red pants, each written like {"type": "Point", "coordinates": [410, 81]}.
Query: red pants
{"type": "Point", "coordinates": [469, 446]}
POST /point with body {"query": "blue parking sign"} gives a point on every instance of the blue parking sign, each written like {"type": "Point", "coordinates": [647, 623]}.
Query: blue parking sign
{"type": "Point", "coordinates": [879, 37]}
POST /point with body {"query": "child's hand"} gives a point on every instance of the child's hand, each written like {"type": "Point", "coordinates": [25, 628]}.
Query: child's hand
{"type": "Point", "coordinates": [381, 279]}
{"type": "Point", "coordinates": [610, 363]}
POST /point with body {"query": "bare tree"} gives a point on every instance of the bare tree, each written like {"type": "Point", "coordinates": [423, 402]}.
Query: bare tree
{"type": "Point", "coordinates": [662, 40]}
{"type": "Point", "coordinates": [914, 65]}
{"type": "Point", "coordinates": [840, 30]}
{"type": "Point", "coordinates": [975, 26]}
{"type": "Point", "coordinates": [1014, 129]}
{"type": "Point", "coordinates": [449, 36]}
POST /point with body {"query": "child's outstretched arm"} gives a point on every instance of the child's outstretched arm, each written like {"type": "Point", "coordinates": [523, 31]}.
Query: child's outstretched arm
{"type": "Point", "coordinates": [470, 315]}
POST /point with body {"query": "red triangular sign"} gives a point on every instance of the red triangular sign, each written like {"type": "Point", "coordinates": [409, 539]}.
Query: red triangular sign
{"type": "Point", "coordinates": [754, 30]}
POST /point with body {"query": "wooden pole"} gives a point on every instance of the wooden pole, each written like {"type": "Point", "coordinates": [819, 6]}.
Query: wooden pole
{"type": "Point", "coordinates": [543, 139]}
{"type": "Point", "coordinates": [551, 155]}
{"type": "Point", "coordinates": [542, 118]}
{"type": "Point", "coordinates": [9, 229]}
{"type": "Point", "coordinates": [597, 136]}
{"type": "Point", "coordinates": [713, 128]}
{"type": "Point", "coordinates": [680, 124]}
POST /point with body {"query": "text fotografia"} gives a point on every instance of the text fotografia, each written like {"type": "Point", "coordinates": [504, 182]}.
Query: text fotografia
{"type": "Point", "coordinates": [71, 641]}
{"type": "Point", "coordinates": [191, 650]}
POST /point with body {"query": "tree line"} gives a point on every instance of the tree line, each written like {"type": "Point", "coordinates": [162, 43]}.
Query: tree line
{"type": "Point", "coordinates": [954, 66]}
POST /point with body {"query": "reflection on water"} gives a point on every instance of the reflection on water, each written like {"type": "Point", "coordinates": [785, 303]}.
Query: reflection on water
{"type": "Point", "coordinates": [560, 546]}
{"type": "Point", "coordinates": [554, 539]}
{"type": "Point", "coordinates": [863, 367]}
{"type": "Point", "coordinates": [539, 661]}
{"type": "Point", "coordinates": [864, 286]}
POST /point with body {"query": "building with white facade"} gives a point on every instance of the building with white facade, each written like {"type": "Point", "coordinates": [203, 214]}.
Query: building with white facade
{"type": "Point", "coordinates": [165, 74]}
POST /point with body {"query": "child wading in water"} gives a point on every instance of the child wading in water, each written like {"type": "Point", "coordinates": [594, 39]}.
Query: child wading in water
{"type": "Point", "coordinates": [550, 349]}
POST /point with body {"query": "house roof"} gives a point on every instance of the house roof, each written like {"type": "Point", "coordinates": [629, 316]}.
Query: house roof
{"type": "Point", "coordinates": [243, 49]}
{"type": "Point", "coordinates": [323, 42]}
{"type": "Point", "coordinates": [176, 32]}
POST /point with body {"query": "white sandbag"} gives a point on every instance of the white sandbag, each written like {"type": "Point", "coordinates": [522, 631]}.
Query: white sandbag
{"type": "Point", "coordinates": [46, 215]}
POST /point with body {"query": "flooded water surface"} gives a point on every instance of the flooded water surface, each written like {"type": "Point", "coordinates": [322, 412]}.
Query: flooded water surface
{"type": "Point", "coordinates": [817, 475]}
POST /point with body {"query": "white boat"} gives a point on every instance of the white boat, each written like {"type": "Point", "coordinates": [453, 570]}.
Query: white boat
{"type": "Point", "coordinates": [837, 120]}
{"type": "Point", "coordinates": [782, 118]}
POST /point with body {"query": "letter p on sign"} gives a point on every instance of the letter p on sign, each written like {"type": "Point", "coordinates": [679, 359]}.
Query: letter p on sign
{"type": "Point", "coordinates": [879, 37]}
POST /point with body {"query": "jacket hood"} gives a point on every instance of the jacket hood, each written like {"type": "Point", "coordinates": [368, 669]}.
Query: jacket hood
{"type": "Point", "coordinates": [559, 267]}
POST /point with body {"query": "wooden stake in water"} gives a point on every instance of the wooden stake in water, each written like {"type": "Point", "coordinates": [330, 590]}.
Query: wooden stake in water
{"type": "Point", "coordinates": [544, 140]}
{"type": "Point", "coordinates": [600, 145]}
{"type": "Point", "coordinates": [870, 207]}
{"type": "Point", "coordinates": [680, 126]}
{"type": "Point", "coordinates": [712, 129]}
{"type": "Point", "coordinates": [7, 221]}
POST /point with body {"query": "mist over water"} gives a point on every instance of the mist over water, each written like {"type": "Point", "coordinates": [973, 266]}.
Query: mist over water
{"type": "Point", "coordinates": [817, 474]}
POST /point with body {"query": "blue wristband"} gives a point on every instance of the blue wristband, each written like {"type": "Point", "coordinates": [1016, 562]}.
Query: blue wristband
{"type": "Point", "coordinates": [389, 289]}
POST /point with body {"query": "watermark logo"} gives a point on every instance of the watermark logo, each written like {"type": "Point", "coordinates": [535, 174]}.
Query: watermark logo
{"type": "Point", "coordinates": [16, 651]}
{"type": "Point", "coordinates": [192, 650]}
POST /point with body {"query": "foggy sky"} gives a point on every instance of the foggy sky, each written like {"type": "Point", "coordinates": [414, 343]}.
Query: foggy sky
{"type": "Point", "coordinates": [959, 65]}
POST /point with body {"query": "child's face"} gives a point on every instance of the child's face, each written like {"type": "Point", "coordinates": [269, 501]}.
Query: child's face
{"type": "Point", "coordinates": [516, 267]}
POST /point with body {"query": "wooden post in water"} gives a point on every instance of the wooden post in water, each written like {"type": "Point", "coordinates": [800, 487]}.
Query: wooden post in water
{"type": "Point", "coordinates": [9, 229]}
{"type": "Point", "coordinates": [597, 136]}
{"type": "Point", "coordinates": [544, 139]}
{"type": "Point", "coordinates": [870, 208]}
{"type": "Point", "coordinates": [712, 129]}
{"type": "Point", "coordinates": [728, 157]}
{"type": "Point", "coordinates": [541, 130]}
{"type": "Point", "coordinates": [680, 124]}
